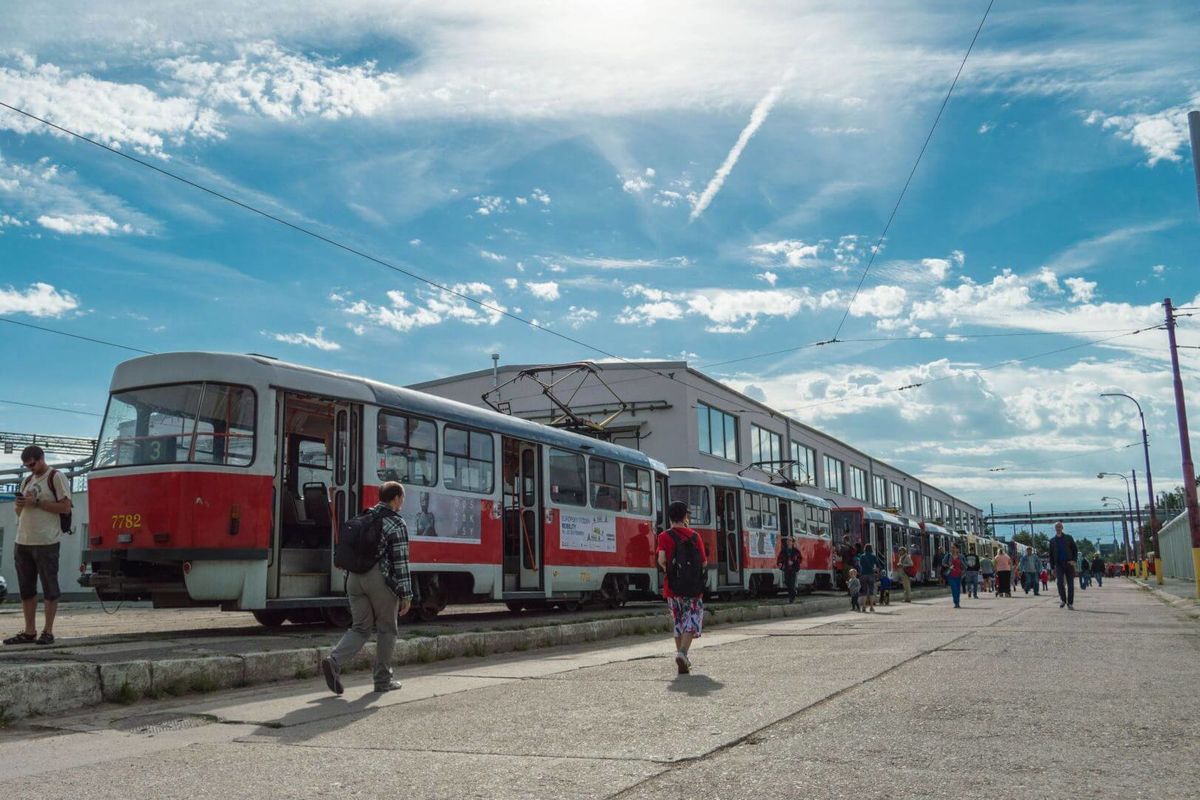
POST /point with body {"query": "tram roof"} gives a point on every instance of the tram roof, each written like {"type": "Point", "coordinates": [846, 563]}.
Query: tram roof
{"type": "Point", "coordinates": [184, 367]}
{"type": "Point", "coordinates": [875, 515]}
{"type": "Point", "coordinates": [732, 481]}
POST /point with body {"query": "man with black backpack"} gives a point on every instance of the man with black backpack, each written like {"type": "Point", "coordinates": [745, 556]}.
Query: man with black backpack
{"type": "Point", "coordinates": [43, 507]}
{"type": "Point", "coordinates": [373, 549]}
{"type": "Point", "coordinates": [682, 560]}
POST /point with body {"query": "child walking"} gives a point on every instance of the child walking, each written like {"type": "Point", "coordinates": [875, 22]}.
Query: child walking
{"type": "Point", "coordinates": [854, 585]}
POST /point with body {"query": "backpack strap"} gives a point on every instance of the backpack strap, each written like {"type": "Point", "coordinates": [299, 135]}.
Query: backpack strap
{"type": "Point", "coordinates": [50, 482]}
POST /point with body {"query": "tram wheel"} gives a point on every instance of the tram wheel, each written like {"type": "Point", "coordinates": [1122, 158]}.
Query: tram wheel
{"type": "Point", "coordinates": [569, 605]}
{"type": "Point", "coordinates": [271, 619]}
{"type": "Point", "coordinates": [515, 606]}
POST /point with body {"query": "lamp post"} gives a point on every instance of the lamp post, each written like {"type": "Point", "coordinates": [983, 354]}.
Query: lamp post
{"type": "Point", "coordinates": [1129, 512]}
{"type": "Point", "coordinates": [1154, 523]}
{"type": "Point", "coordinates": [1030, 494]}
{"type": "Point", "coordinates": [1124, 525]}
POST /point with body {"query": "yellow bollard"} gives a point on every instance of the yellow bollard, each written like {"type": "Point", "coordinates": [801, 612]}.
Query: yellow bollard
{"type": "Point", "coordinates": [1158, 570]}
{"type": "Point", "coordinates": [1196, 569]}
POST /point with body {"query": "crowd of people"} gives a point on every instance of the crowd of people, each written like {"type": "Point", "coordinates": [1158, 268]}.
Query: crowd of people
{"type": "Point", "coordinates": [866, 575]}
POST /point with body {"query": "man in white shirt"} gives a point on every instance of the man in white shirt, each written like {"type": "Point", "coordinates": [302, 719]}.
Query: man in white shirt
{"type": "Point", "coordinates": [43, 497]}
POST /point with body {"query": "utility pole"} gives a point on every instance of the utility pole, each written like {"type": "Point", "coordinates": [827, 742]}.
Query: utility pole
{"type": "Point", "coordinates": [1185, 445]}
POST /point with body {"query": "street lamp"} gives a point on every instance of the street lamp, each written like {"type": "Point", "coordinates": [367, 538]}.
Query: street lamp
{"type": "Point", "coordinates": [1158, 567]}
{"type": "Point", "coordinates": [1129, 509]}
{"type": "Point", "coordinates": [1030, 494]}
{"type": "Point", "coordinates": [1124, 524]}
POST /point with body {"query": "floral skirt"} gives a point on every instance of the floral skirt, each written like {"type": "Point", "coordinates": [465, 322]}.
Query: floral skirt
{"type": "Point", "coordinates": [688, 615]}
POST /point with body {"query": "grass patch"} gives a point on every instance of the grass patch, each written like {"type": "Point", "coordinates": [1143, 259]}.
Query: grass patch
{"type": "Point", "coordinates": [126, 694]}
{"type": "Point", "coordinates": [304, 673]}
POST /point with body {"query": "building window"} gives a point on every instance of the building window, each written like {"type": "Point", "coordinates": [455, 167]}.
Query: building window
{"type": "Point", "coordinates": [896, 500]}
{"type": "Point", "coordinates": [766, 448]}
{"type": "Point", "coordinates": [939, 512]}
{"type": "Point", "coordinates": [926, 507]}
{"type": "Point", "coordinates": [834, 477]}
{"type": "Point", "coordinates": [913, 507]}
{"type": "Point", "coordinates": [406, 448]}
{"type": "Point", "coordinates": [805, 468]}
{"type": "Point", "coordinates": [467, 460]}
{"type": "Point", "coordinates": [858, 483]}
{"type": "Point", "coordinates": [880, 491]}
{"type": "Point", "coordinates": [718, 432]}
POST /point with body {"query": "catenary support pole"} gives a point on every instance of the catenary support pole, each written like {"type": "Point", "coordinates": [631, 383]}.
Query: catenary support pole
{"type": "Point", "coordinates": [1185, 445]}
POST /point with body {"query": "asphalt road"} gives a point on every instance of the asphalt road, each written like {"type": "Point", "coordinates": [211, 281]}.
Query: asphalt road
{"type": "Point", "coordinates": [1004, 698]}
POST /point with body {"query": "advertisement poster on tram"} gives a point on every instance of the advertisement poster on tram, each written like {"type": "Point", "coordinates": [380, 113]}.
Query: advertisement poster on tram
{"type": "Point", "coordinates": [762, 544]}
{"type": "Point", "coordinates": [594, 531]}
{"type": "Point", "coordinates": [445, 518]}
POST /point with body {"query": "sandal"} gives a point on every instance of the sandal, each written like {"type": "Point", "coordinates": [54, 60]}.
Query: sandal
{"type": "Point", "coordinates": [21, 638]}
{"type": "Point", "coordinates": [46, 638]}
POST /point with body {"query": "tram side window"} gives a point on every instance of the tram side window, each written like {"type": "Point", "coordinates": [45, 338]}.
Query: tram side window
{"type": "Point", "coordinates": [605, 478]}
{"type": "Point", "coordinates": [754, 515]}
{"type": "Point", "coordinates": [568, 478]}
{"type": "Point", "coordinates": [770, 512]}
{"type": "Point", "coordinates": [468, 460]}
{"type": "Point", "coordinates": [696, 497]}
{"type": "Point", "coordinates": [204, 423]}
{"type": "Point", "coordinates": [637, 491]}
{"type": "Point", "coordinates": [407, 449]}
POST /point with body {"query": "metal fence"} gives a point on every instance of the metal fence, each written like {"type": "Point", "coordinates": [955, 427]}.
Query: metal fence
{"type": "Point", "coordinates": [1175, 539]}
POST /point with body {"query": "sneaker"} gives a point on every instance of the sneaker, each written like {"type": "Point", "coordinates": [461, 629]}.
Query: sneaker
{"type": "Point", "coordinates": [332, 679]}
{"type": "Point", "coordinates": [1070, 607]}
{"type": "Point", "coordinates": [21, 638]}
{"type": "Point", "coordinates": [1063, 604]}
{"type": "Point", "coordinates": [687, 660]}
{"type": "Point", "coordinates": [390, 686]}
{"type": "Point", "coordinates": [681, 663]}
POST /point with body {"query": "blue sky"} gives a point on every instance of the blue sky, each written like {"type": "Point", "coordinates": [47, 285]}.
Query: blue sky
{"type": "Point", "coordinates": [663, 180]}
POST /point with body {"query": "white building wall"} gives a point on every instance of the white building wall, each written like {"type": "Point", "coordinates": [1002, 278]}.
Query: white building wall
{"type": "Point", "coordinates": [70, 550]}
{"type": "Point", "coordinates": [665, 416]}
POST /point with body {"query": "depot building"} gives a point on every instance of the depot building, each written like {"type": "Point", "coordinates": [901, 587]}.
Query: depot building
{"type": "Point", "coordinates": [685, 418]}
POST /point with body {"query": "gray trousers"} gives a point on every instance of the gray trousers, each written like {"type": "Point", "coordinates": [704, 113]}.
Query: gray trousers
{"type": "Point", "coordinates": [373, 606]}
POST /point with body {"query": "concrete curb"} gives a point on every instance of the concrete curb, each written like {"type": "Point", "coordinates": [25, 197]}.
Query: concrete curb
{"type": "Point", "coordinates": [54, 687]}
{"type": "Point", "coordinates": [1190, 603]}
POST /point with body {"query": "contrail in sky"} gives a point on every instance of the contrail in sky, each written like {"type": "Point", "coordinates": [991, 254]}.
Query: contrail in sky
{"type": "Point", "coordinates": [757, 117]}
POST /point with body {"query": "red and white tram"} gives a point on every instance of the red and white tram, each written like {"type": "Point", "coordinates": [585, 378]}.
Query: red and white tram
{"type": "Point", "coordinates": [742, 521]}
{"type": "Point", "coordinates": [887, 533]}
{"type": "Point", "coordinates": [939, 538]}
{"type": "Point", "coordinates": [221, 479]}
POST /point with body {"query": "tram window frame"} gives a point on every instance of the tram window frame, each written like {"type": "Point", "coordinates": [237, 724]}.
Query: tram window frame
{"type": "Point", "coordinates": [486, 466]}
{"type": "Point", "coordinates": [771, 513]}
{"type": "Point", "coordinates": [604, 473]}
{"type": "Point", "coordinates": [637, 497]}
{"type": "Point", "coordinates": [195, 433]}
{"type": "Point", "coordinates": [383, 442]}
{"type": "Point", "coordinates": [753, 506]}
{"type": "Point", "coordinates": [700, 513]}
{"type": "Point", "coordinates": [660, 502]}
{"type": "Point", "coordinates": [558, 493]}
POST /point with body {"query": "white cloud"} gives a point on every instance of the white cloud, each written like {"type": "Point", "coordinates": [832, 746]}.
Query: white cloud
{"type": "Point", "coordinates": [768, 276]}
{"type": "Point", "coordinates": [1082, 291]}
{"type": "Point", "coordinates": [1049, 280]}
{"type": "Point", "coordinates": [1158, 269]}
{"type": "Point", "coordinates": [9, 221]}
{"type": "Point", "coordinates": [879, 301]}
{"type": "Point", "coordinates": [938, 268]}
{"type": "Point", "coordinates": [540, 196]}
{"type": "Point", "coordinates": [415, 242]}
{"type": "Point", "coordinates": [1161, 134]}
{"type": "Point", "coordinates": [726, 310]}
{"type": "Point", "coordinates": [490, 256]}
{"type": "Point", "coordinates": [547, 290]}
{"type": "Point", "coordinates": [431, 307]}
{"type": "Point", "coordinates": [635, 184]}
{"type": "Point", "coordinates": [757, 117]}
{"type": "Point", "coordinates": [511, 283]}
{"type": "Point", "coordinates": [522, 201]}
{"type": "Point", "coordinates": [650, 313]}
{"type": "Point", "coordinates": [490, 204]}
{"type": "Point", "coordinates": [986, 127]}
{"type": "Point", "coordinates": [579, 316]}
{"type": "Point", "coordinates": [39, 300]}
{"type": "Point", "coordinates": [613, 263]}
{"type": "Point", "coordinates": [316, 339]}
{"type": "Point", "coordinates": [80, 224]}
{"type": "Point", "coordinates": [795, 253]}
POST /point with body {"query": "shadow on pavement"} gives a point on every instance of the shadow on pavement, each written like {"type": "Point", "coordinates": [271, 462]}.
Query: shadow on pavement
{"type": "Point", "coordinates": [299, 724]}
{"type": "Point", "coordinates": [694, 685]}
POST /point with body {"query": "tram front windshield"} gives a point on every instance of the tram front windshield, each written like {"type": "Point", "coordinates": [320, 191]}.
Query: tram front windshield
{"type": "Point", "coordinates": [199, 423]}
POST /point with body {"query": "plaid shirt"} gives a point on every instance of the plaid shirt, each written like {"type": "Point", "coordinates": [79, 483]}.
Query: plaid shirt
{"type": "Point", "coordinates": [393, 552]}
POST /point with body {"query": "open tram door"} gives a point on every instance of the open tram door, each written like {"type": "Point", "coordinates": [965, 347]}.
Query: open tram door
{"type": "Point", "coordinates": [729, 538]}
{"type": "Point", "coordinates": [523, 540]}
{"type": "Point", "coordinates": [318, 485]}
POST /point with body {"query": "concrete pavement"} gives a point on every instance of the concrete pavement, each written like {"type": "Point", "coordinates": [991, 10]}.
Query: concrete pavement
{"type": "Point", "coordinates": [1013, 696]}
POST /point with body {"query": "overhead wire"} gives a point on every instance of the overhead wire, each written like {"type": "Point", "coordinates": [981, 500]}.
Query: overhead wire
{"type": "Point", "coordinates": [91, 339]}
{"type": "Point", "coordinates": [50, 408]}
{"type": "Point", "coordinates": [904, 190]}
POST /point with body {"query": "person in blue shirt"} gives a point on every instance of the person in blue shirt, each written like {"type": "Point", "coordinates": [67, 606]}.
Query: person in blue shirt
{"type": "Point", "coordinates": [869, 567]}
{"type": "Point", "coordinates": [1063, 553]}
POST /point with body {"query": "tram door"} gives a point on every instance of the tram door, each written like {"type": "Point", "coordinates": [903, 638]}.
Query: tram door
{"type": "Point", "coordinates": [729, 538]}
{"type": "Point", "coordinates": [318, 484]}
{"type": "Point", "coordinates": [523, 539]}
